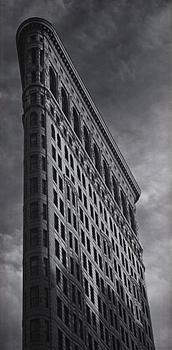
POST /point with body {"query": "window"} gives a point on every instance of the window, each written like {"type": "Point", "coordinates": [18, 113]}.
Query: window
{"type": "Point", "coordinates": [45, 238]}
{"type": "Point", "coordinates": [76, 123]}
{"type": "Point", "coordinates": [59, 162]}
{"type": "Point", "coordinates": [43, 163]}
{"type": "Point", "coordinates": [71, 162]}
{"type": "Point", "coordinates": [60, 340]}
{"type": "Point", "coordinates": [59, 307]}
{"type": "Point", "coordinates": [56, 222]}
{"type": "Point", "coordinates": [61, 207]}
{"type": "Point", "coordinates": [45, 266]}
{"type": "Point", "coordinates": [34, 296]}
{"type": "Point", "coordinates": [34, 330]}
{"type": "Point", "coordinates": [57, 249]}
{"type": "Point", "coordinates": [53, 153]}
{"type": "Point", "coordinates": [33, 119]}
{"type": "Point", "coordinates": [33, 77]}
{"type": "Point", "coordinates": [124, 204]}
{"type": "Point", "coordinates": [87, 141]}
{"type": "Point", "coordinates": [34, 210]}
{"type": "Point", "coordinates": [55, 197]}
{"type": "Point", "coordinates": [58, 141]}
{"type": "Point", "coordinates": [47, 330]}
{"type": "Point", "coordinates": [115, 189]}
{"type": "Point", "coordinates": [66, 315]}
{"type": "Point", "coordinates": [43, 141]}
{"type": "Point", "coordinates": [60, 183]}
{"type": "Point", "coordinates": [53, 132]}
{"type": "Point", "coordinates": [62, 227]}
{"type": "Point", "coordinates": [33, 185]}
{"type": "Point", "coordinates": [54, 174]}
{"type": "Point", "coordinates": [33, 140]}
{"type": "Point", "coordinates": [65, 106]}
{"type": "Point", "coordinates": [52, 81]}
{"type": "Point", "coordinates": [90, 343]}
{"type": "Point", "coordinates": [58, 276]}
{"type": "Point", "coordinates": [66, 153]}
{"type": "Point", "coordinates": [132, 218]}
{"type": "Point", "coordinates": [34, 265]}
{"type": "Point", "coordinates": [44, 186]}
{"type": "Point", "coordinates": [33, 162]}
{"type": "Point", "coordinates": [33, 237]}
{"type": "Point", "coordinates": [97, 158]}
{"type": "Point", "coordinates": [106, 174]}
{"type": "Point", "coordinates": [44, 211]}
{"type": "Point", "coordinates": [65, 286]}
{"type": "Point", "coordinates": [33, 55]}
{"type": "Point", "coordinates": [64, 259]}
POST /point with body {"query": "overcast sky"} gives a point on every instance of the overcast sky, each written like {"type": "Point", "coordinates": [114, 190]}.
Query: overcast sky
{"type": "Point", "coordinates": [121, 50]}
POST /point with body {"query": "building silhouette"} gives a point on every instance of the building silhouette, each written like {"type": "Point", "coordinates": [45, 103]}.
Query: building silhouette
{"type": "Point", "coordinates": [83, 273]}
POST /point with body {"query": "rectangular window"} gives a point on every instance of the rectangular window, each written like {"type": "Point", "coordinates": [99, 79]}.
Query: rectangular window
{"type": "Point", "coordinates": [34, 210]}
{"type": "Point", "coordinates": [56, 222]}
{"type": "Point", "coordinates": [65, 286]}
{"type": "Point", "coordinates": [61, 207]}
{"type": "Point", "coordinates": [34, 237]}
{"type": "Point", "coordinates": [46, 297]}
{"type": "Point", "coordinates": [66, 315]}
{"type": "Point", "coordinates": [33, 162]}
{"type": "Point", "coordinates": [45, 266]}
{"type": "Point", "coordinates": [54, 174]}
{"type": "Point", "coordinates": [60, 184]}
{"type": "Point", "coordinates": [59, 307]}
{"type": "Point", "coordinates": [44, 211]}
{"type": "Point", "coordinates": [62, 228]}
{"type": "Point", "coordinates": [57, 249]}
{"type": "Point", "coordinates": [34, 296]}
{"type": "Point", "coordinates": [58, 276]}
{"type": "Point", "coordinates": [34, 266]}
{"type": "Point", "coordinates": [64, 259]}
{"type": "Point", "coordinates": [33, 140]}
{"type": "Point", "coordinates": [43, 141]}
{"type": "Point", "coordinates": [34, 330]}
{"type": "Point", "coordinates": [59, 162]}
{"type": "Point", "coordinates": [44, 186]}
{"type": "Point", "coordinates": [43, 163]}
{"type": "Point", "coordinates": [55, 198]}
{"type": "Point", "coordinates": [45, 238]}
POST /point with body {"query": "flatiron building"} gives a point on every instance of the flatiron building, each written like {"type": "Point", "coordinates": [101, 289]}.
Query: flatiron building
{"type": "Point", "coordinates": [83, 272]}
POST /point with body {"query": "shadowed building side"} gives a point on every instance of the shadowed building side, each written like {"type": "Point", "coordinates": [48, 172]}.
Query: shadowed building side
{"type": "Point", "coordinates": [83, 274]}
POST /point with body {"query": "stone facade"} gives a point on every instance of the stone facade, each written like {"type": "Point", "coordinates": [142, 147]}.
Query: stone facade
{"type": "Point", "coordinates": [83, 273]}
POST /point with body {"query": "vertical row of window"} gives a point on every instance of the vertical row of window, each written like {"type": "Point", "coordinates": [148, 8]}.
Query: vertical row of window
{"type": "Point", "coordinates": [37, 57]}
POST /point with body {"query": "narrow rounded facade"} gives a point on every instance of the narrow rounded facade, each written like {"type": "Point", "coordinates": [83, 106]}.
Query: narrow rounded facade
{"type": "Point", "coordinates": [83, 274]}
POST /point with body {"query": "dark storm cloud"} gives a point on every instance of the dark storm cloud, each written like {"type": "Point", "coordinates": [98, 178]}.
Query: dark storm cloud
{"type": "Point", "coordinates": [121, 49]}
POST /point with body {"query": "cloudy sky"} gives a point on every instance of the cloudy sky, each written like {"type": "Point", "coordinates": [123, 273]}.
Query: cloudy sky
{"type": "Point", "coordinates": [121, 49]}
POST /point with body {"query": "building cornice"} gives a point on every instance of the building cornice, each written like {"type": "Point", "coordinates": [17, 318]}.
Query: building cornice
{"type": "Point", "coordinates": [50, 30]}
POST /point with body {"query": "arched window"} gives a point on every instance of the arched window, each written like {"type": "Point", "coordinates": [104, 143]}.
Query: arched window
{"type": "Point", "coordinates": [97, 158]}
{"type": "Point", "coordinates": [53, 82]}
{"type": "Point", "coordinates": [106, 174]}
{"type": "Point", "coordinates": [87, 141]}
{"type": "Point", "coordinates": [53, 131]}
{"type": "Point", "coordinates": [33, 119]}
{"type": "Point", "coordinates": [65, 105]}
{"type": "Point", "coordinates": [115, 189]}
{"type": "Point", "coordinates": [76, 123]}
{"type": "Point", "coordinates": [124, 204]}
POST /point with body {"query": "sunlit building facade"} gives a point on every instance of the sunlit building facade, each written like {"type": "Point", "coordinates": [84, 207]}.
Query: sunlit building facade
{"type": "Point", "coordinates": [83, 273]}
